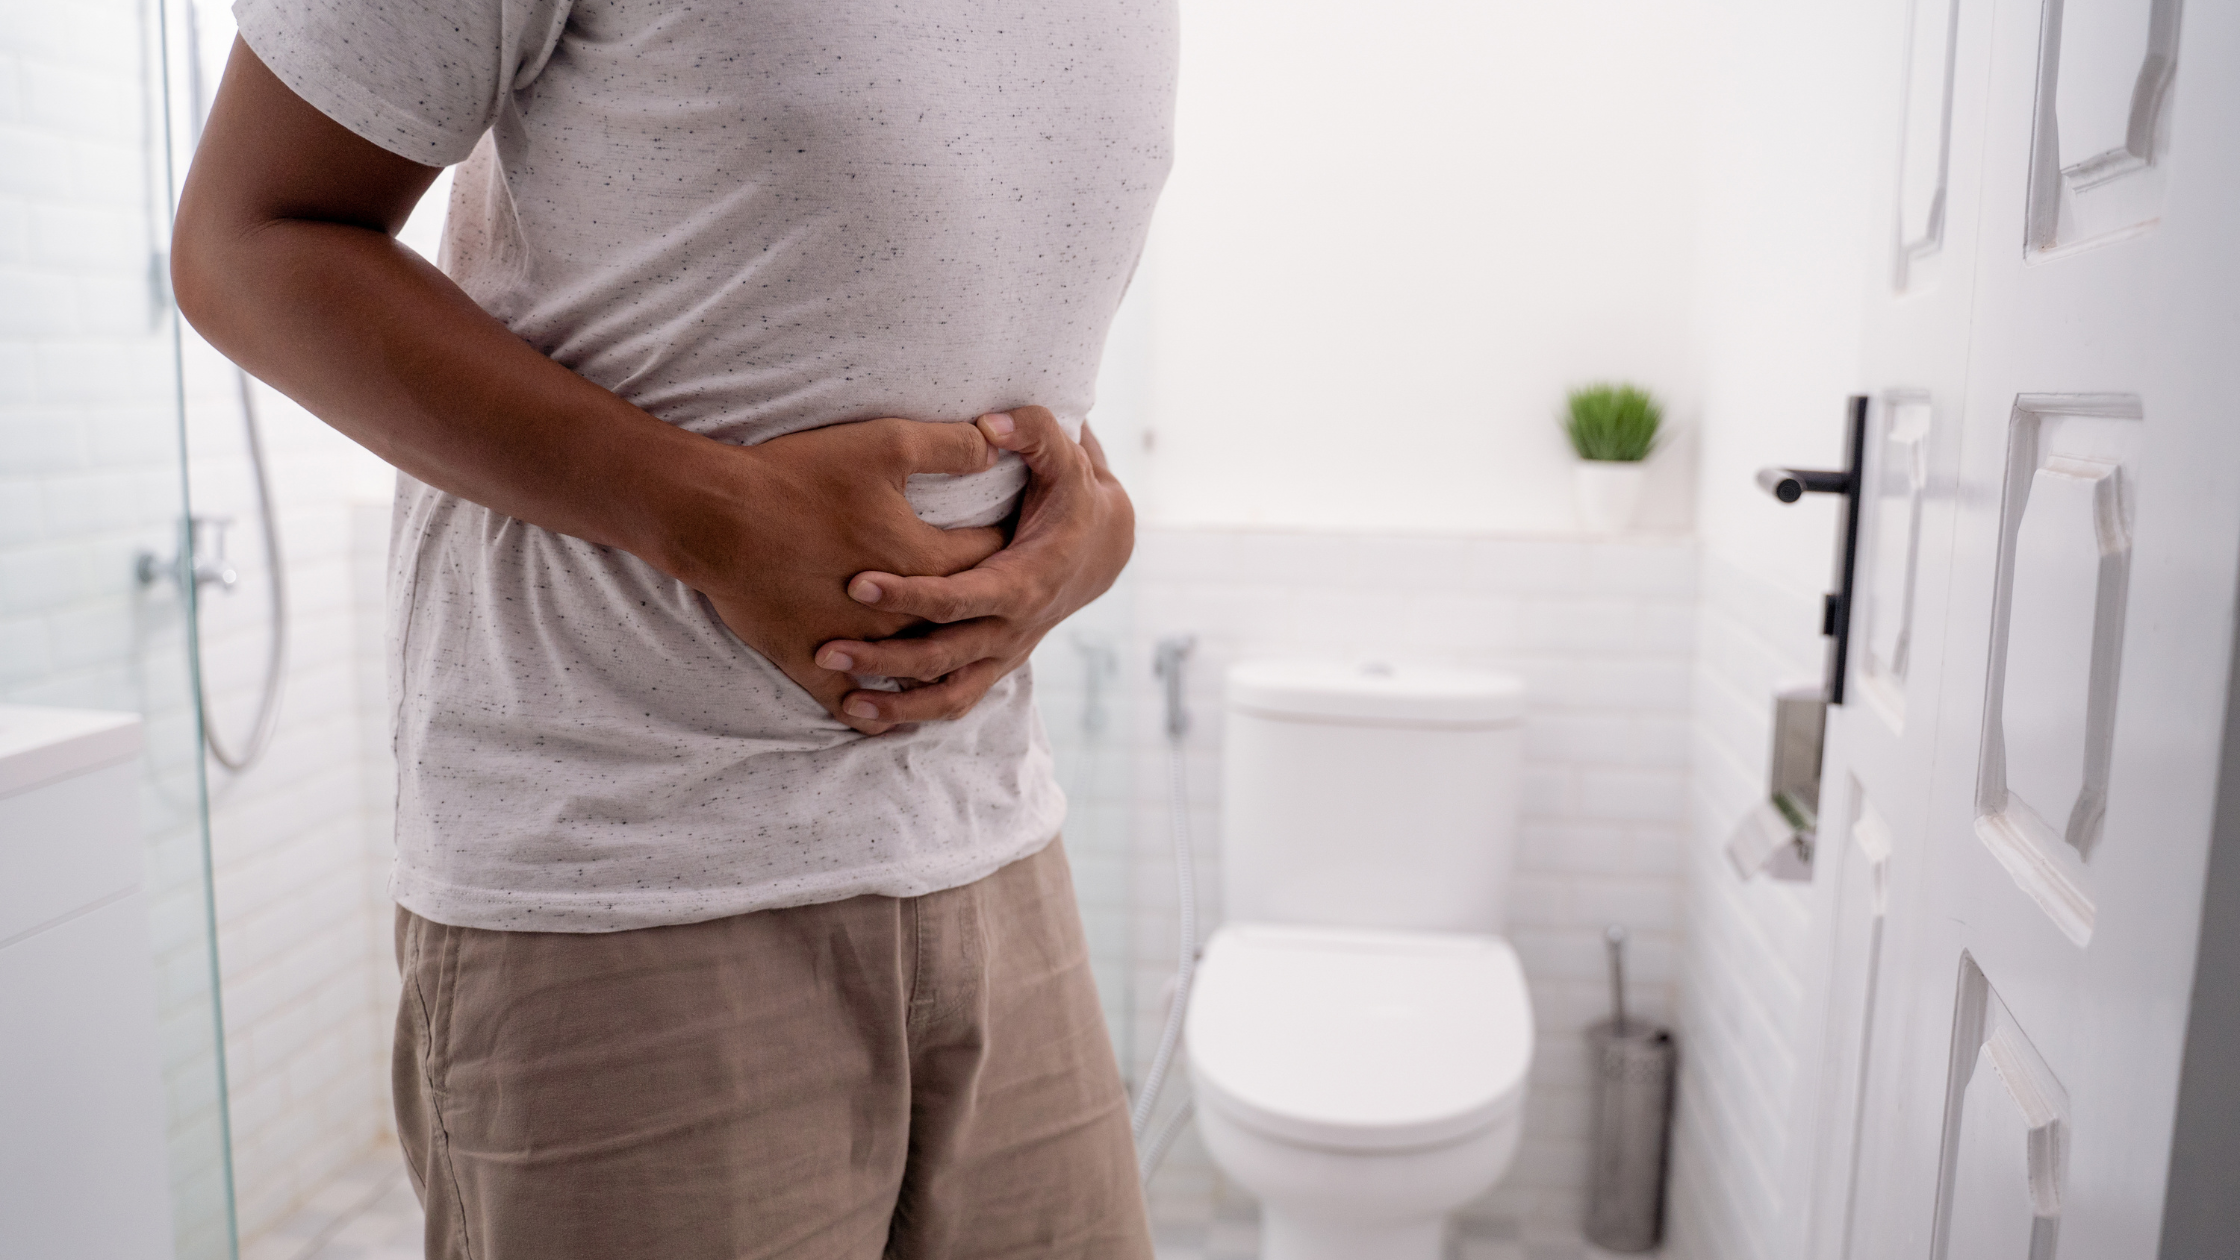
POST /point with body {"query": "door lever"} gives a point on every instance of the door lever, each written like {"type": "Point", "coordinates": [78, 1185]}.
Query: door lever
{"type": "Point", "coordinates": [1791, 484]}
{"type": "Point", "coordinates": [1779, 834]}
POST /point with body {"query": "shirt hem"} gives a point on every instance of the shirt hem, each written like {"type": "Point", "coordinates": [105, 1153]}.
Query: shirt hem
{"type": "Point", "coordinates": [503, 910]}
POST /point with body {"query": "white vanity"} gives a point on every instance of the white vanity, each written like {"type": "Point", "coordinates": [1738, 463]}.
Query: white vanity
{"type": "Point", "coordinates": [82, 1144]}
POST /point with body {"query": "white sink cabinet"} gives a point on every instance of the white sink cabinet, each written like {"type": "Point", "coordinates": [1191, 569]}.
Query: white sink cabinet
{"type": "Point", "coordinates": [82, 1146]}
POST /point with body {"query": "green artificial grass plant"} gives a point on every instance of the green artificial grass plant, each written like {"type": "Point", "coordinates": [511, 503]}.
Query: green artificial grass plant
{"type": "Point", "coordinates": [1615, 423]}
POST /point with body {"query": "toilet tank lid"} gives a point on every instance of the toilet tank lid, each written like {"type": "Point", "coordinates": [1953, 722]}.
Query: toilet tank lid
{"type": "Point", "coordinates": [1373, 691]}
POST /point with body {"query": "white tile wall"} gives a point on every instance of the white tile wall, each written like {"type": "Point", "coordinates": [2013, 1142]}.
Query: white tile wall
{"type": "Point", "coordinates": [1084, 693]}
{"type": "Point", "coordinates": [1604, 633]}
{"type": "Point", "coordinates": [89, 477]}
{"type": "Point", "coordinates": [298, 840]}
{"type": "Point", "coordinates": [1741, 996]}
{"type": "Point", "coordinates": [89, 458]}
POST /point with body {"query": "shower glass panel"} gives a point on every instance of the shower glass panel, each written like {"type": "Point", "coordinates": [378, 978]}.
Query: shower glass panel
{"type": "Point", "coordinates": [93, 508]}
{"type": "Point", "coordinates": [1089, 675]}
{"type": "Point", "coordinates": [1078, 687]}
{"type": "Point", "coordinates": [295, 518]}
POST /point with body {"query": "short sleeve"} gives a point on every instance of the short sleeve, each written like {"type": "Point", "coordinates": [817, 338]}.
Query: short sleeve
{"type": "Point", "coordinates": [421, 78]}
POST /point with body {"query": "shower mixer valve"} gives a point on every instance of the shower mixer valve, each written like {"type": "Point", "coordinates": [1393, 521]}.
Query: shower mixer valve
{"type": "Point", "coordinates": [213, 568]}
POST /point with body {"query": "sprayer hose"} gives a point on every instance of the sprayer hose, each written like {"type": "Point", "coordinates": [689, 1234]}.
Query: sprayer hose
{"type": "Point", "coordinates": [1186, 893]}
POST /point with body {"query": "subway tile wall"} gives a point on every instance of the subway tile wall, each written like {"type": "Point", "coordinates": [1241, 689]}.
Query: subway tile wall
{"type": "Point", "coordinates": [1742, 997]}
{"type": "Point", "coordinates": [298, 840]}
{"type": "Point", "coordinates": [1603, 632]}
{"type": "Point", "coordinates": [89, 480]}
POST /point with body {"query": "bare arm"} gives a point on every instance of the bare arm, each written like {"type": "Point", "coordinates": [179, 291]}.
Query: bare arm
{"type": "Point", "coordinates": [285, 259]}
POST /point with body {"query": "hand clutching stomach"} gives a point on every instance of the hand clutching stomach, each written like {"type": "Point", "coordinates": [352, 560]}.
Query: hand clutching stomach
{"type": "Point", "coordinates": [782, 550]}
{"type": "Point", "coordinates": [1074, 533]}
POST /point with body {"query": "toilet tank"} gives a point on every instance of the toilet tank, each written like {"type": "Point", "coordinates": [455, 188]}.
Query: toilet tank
{"type": "Point", "coordinates": [1369, 795]}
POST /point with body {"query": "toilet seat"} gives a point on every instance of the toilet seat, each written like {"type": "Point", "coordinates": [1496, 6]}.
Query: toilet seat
{"type": "Point", "coordinates": [1359, 1040]}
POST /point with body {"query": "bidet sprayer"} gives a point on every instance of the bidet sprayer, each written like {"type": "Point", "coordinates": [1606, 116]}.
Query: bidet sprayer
{"type": "Point", "coordinates": [1167, 662]}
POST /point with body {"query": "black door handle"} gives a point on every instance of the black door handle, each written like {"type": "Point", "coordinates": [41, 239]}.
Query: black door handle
{"type": "Point", "coordinates": [1792, 484]}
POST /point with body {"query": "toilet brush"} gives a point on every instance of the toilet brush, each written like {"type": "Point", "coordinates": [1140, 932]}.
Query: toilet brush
{"type": "Point", "coordinates": [1633, 1065]}
{"type": "Point", "coordinates": [1614, 940]}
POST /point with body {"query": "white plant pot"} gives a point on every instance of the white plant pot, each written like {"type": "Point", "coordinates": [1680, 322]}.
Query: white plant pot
{"type": "Point", "coordinates": [1609, 490]}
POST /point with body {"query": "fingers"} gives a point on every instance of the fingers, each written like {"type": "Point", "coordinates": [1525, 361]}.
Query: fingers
{"type": "Point", "coordinates": [1034, 434]}
{"type": "Point", "coordinates": [918, 446]}
{"type": "Point", "coordinates": [986, 591]}
{"type": "Point", "coordinates": [944, 701]}
{"type": "Point", "coordinates": [832, 691]}
{"type": "Point", "coordinates": [927, 658]}
{"type": "Point", "coordinates": [950, 551]}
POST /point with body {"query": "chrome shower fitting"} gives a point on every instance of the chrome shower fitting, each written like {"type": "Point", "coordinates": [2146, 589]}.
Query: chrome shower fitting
{"type": "Point", "coordinates": [188, 568]}
{"type": "Point", "coordinates": [1167, 663]}
{"type": "Point", "coordinates": [208, 564]}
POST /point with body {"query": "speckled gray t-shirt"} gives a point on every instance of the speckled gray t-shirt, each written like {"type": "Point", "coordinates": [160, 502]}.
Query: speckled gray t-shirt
{"type": "Point", "coordinates": [748, 218]}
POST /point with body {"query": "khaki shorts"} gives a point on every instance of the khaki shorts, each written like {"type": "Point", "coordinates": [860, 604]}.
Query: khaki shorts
{"type": "Point", "coordinates": [919, 1077]}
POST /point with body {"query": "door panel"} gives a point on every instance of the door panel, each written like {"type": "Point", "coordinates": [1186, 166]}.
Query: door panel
{"type": "Point", "coordinates": [2063, 579]}
{"type": "Point", "coordinates": [1862, 899]}
{"type": "Point", "coordinates": [1897, 478]}
{"type": "Point", "coordinates": [2038, 949]}
{"type": "Point", "coordinates": [1883, 743]}
{"type": "Point", "coordinates": [2101, 107]}
{"type": "Point", "coordinates": [2006, 1137]}
{"type": "Point", "coordinates": [1926, 153]}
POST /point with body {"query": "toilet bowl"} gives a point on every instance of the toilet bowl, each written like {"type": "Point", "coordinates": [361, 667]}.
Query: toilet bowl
{"type": "Point", "coordinates": [1360, 1033]}
{"type": "Point", "coordinates": [1360, 1084]}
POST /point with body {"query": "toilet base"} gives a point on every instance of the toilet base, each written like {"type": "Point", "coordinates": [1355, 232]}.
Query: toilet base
{"type": "Point", "coordinates": [1287, 1237]}
{"type": "Point", "coordinates": [1320, 1204]}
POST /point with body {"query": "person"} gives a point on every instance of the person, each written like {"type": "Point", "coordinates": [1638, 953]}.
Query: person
{"type": "Point", "coordinates": [742, 465]}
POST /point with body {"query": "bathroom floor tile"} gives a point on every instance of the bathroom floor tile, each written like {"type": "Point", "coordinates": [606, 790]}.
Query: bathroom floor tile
{"type": "Point", "coordinates": [1487, 1249]}
{"type": "Point", "coordinates": [367, 1212]}
{"type": "Point", "coordinates": [370, 1213]}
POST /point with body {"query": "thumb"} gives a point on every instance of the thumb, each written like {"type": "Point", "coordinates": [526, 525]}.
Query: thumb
{"type": "Point", "coordinates": [1033, 434]}
{"type": "Point", "coordinates": [938, 447]}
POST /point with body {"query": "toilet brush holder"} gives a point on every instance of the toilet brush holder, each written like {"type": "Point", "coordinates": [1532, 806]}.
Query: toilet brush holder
{"type": "Point", "coordinates": [1633, 1066]}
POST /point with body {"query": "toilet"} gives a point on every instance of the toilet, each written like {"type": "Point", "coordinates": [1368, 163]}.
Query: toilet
{"type": "Point", "coordinates": [1359, 1032]}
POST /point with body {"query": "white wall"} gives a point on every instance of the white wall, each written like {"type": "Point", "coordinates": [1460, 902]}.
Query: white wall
{"type": "Point", "coordinates": [1395, 234]}
{"type": "Point", "coordinates": [301, 840]}
{"type": "Point", "coordinates": [1788, 169]}
{"type": "Point", "coordinates": [89, 478]}
{"type": "Point", "coordinates": [296, 860]}
{"type": "Point", "coordinates": [1602, 632]}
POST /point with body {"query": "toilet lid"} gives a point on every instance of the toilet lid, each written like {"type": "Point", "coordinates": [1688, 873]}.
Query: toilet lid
{"type": "Point", "coordinates": [1357, 1039]}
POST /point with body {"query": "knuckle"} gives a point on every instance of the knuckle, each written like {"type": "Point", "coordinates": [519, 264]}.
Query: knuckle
{"type": "Point", "coordinates": [893, 439]}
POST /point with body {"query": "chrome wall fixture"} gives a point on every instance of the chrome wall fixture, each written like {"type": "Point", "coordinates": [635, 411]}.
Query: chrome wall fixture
{"type": "Point", "coordinates": [194, 565]}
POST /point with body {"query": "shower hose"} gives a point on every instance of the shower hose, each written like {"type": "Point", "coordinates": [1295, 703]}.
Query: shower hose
{"type": "Point", "coordinates": [276, 653]}
{"type": "Point", "coordinates": [189, 566]}
{"type": "Point", "coordinates": [1172, 654]}
{"type": "Point", "coordinates": [237, 759]}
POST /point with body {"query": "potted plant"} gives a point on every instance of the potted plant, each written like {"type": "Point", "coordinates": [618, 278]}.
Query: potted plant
{"type": "Point", "coordinates": [1613, 428]}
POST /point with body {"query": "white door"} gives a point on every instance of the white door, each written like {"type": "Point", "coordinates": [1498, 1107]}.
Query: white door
{"type": "Point", "coordinates": [2018, 793]}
